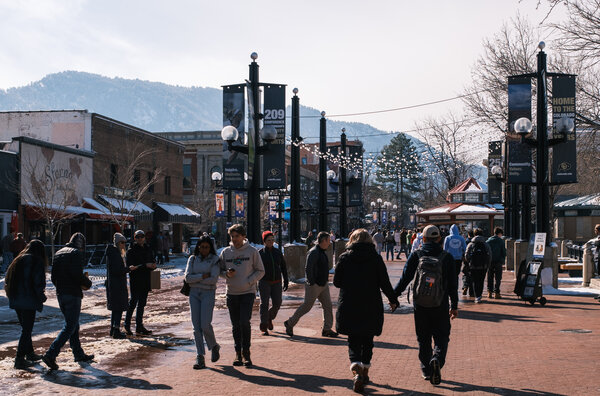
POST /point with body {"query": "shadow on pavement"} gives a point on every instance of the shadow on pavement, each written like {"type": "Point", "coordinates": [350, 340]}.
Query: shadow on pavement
{"type": "Point", "coordinates": [344, 342]}
{"type": "Point", "coordinates": [99, 379]}
{"type": "Point", "coordinates": [462, 387]}
{"type": "Point", "coordinates": [497, 317]}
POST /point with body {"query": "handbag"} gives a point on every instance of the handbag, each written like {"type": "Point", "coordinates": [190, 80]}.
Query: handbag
{"type": "Point", "coordinates": [185, 289]}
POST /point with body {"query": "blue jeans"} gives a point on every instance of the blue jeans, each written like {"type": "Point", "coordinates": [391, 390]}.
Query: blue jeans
{"type": "Point", "coordinates": [7, 258]}
{"type": "Point", "coordinates": [389, 249]}
{"type": "Point", "coordinates": [272, 291]}
{"type": "Point", "coordinates": [70, 306]}
{"type": "Point", "coordinates": [240, 312]}
{"type": "Point", "coordinates": [202, 303]}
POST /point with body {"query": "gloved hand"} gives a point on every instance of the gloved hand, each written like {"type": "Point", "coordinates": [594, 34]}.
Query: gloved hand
{"type": "Point", "coordinates": [285, 285]}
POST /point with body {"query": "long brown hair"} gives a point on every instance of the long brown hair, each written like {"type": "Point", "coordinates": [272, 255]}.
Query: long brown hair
{"type": "Point", "coordinates": [359, 236]}
{"type": "Point", "coordinates": [35, 248]}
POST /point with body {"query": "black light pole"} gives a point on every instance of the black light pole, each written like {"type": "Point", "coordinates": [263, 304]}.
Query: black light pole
{"type": "Point", "coordinates": [525, 211]}
{"type": "Point", "coordinates": [322, 173]}
{"type": "Point", "coordinates": [295, 170]}
{"type": "Point", "coordinates": [280, 218]}
{"type": "Point", "coordinates": [542, 200]}
{"type": "Point", "coordinates": [343, 214]}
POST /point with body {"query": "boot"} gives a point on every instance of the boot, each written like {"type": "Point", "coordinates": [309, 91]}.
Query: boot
{"type": "Point", "coordinates": [366, 378]}
{"type": "Point", "coordinates": [33, 357]}
{"type": "Point", "coordinates": [112, 331]}
{"type": "Point", "coordinates": [238, 359]}
{"type": "Point", "coordinates": [21, 363]}
{"type": "Point", "coordinates": [246, 358]}
{"type": "Point", "coordinates": [116, 334]}
{"type": "Point", "coordinates": [127, 328]}
{"type": "Point", "coordinates": [497, 296]}
{"type": "Point", "coordinates": [490, 295]}
{"type": "Point", "coordinates": [199, 362]}
{"type": "Point", "coordinates": [264, 328]}
{"type": "Point", "coordinates": [358, 380]}
{"type": "Point", "coordinates": [215, 355]}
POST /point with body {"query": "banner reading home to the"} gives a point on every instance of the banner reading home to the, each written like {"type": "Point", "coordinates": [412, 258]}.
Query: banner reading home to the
{"type": "Point", "coordinates": [494, 184]}
{"type": "Point", "coordinates": [234, 163]}
{"type": "Point", "coordinates": [564, 155]}
{"type": "Point", "coordinates": [273, 159]}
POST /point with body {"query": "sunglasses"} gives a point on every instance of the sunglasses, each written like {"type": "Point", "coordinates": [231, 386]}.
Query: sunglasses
{"type": "Point", "coordinates": [140, 237]}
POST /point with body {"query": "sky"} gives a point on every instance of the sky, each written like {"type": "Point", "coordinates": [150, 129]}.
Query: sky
{"type": "Point", "coordinates": [344, 56]}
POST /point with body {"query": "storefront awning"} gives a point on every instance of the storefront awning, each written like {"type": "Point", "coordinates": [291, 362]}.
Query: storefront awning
{"type": "Point", "coordinates": [34, 212]}
{"type": "Point", "coordinates": [128, 207]}
{"type": "Point", "coordinates": [175, 213]}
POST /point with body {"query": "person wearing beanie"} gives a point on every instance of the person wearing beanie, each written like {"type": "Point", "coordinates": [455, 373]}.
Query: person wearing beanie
{"type": "Point", "coordinates": [116, 283]}
{"type": "Point", "coordinates": [70, 280]}
{"type": "Point", "coordinates": [270, 286]}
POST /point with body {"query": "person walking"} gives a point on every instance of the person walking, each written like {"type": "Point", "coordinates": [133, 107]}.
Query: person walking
{"type": "Point", "coordinates": [116, 283]}
{"type": "Point", "coordinates": [466, 277]}
{"type": "Point", "coordinates": [403, 242]}
{"type": "Point", "coordinates": [140, 261]}
{"type": "Point", "coordinates": [390, 242]}
{"type": "Point", "coordinates": [242, 268]}
{"type": "Point", "coordinates": [409, 240]}
{"type": "Point", "coordinates": [17, 245]}
{"type": "Point", "coordinates": [202, 273]}
{"type": "Point", "coordinates": [70, 280]}
{"type": "Point", "coordinates": [379, 239]}
{"type": "Point", "coordinates": [269, 286]}
{"type": "Point", "coordinates": [316, 287]}
{"type": "Point", "coordinates": [25, 284]}
{"type": "Point", "coordinates": [455, 245]}
{"type": "Point", "coordinates": [432, 272]}
{"type": "Point", "coordinates": [361, 276]}
{"type": "Point", "coordinates": [498, 250]}
{"type": "Point", "coordinates": [7, 256]}
{"type": "Point", "coordinates": [478, 257]}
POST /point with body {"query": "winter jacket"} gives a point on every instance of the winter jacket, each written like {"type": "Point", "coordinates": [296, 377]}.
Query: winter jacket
{"type": "Point", "coordinates": [248, 267]}
{"type": "Point", "coordinates": [196, 268]}
{"type": "Point", "coordinates": [448, 272]}
{"type": "Point", "coordinates": [455, 244]}
{"type": "Point", "coordinates": [139, 279]}
{"type": "Point", "coordinates": [417, 242]}
{"type": "Point", "coordinates": [274, 264]}
{"type": "Point", "coordinates": [317, 267]}
{"type": "Point", "coordinates": [498, 249]}
{"type": "Point", "coordinates": [471, 246]}
{"type": "Point", "coordinates": [378, 238]}
{"type": "Point", "coordinates": [26, 289]}
{"type": "Point", "coordinates": [116, 280]}
{"type": "Point", "coordinates": [361, 275]}
{"type": "Point", "coordinates": [403, 238]}
{"type": "Point", "coordinates": [67, 271]}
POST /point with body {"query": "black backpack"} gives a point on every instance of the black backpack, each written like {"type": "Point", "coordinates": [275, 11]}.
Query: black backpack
{"type": "Point", "coordinates": [428, 286]}
{"type": "Point", "coordinates": [479, 256]}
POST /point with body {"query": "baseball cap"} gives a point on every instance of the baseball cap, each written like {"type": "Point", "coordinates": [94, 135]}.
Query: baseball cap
{"type": "Point", "coordinates": [431, 231]}
{"type": "Point", "coordinates": [139, 233]}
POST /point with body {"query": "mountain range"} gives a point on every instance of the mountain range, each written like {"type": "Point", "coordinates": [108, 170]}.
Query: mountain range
{"type": "Point", "coordinates": [159, 107]}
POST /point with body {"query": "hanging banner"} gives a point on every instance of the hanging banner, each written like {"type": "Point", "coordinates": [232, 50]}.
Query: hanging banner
{"type": "Point", "coordinates": [564, 155]}
{"type": "Point", "coordinates": [375, 217]}
{"type": "Point", "coordinates": [333, 185]}
{"type": "Point", "coordinates": [355, 155]}
{"type": "Point", "coordinates": [273, 208]}
{"type": "Point", "coordinates": [234, 163]}
{"type": "Point", "coordinates": [287, 204]}
{"type": "Point", "coordinates": [219, 204]}
{"type": "Point", "coordinates": [520, 169]}
{"type": "Point", "coordinates": [273, 159]}
{"type": "Point", "coordinates": [494, 183]}
{"type": "Point", "coordinates": [239, 204]}
{"type": "Point", "coordinates": [251, 130]}
{"type": "Point", "coordinates": [384, 217]}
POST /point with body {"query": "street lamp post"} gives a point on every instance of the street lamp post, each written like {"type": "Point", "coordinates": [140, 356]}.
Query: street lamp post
{"type": "Point", "coordinates": [379, 206]}
{"type": "Point", "coordinates": [294, 228]}
{"type": "Point", "coordinates": [343, 199]}
{"type": "Point", "coordinates": [322, 174]}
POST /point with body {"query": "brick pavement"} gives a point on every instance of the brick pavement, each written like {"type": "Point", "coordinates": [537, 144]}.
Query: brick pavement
{"type": "Point", "coordinates": [502, 347]}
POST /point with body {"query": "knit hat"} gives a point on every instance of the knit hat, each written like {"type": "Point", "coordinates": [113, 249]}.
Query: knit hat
{"type": "Point", "coordinates": [266, 234]}
{"type": "Point", "coordinates": [118, 237]}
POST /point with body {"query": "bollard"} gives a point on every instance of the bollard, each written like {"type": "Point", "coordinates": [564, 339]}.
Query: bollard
{"type": "Point", "coordinates": [340, 247]}
{"type": "Point", "coordinates": [295, 259]}
{"type": "Point", "coordinates": [329, 253]}
{"type": "Point", "coordinates": [588, 264]}
{"type": "Point", "coordinates": [510, 258]}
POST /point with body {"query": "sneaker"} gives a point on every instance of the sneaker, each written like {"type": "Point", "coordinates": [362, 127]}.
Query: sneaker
{"type": "Point", "coordinates": [199, 362]}
{"type": "Point", "coordinates": [117, 335]}
{"type": "Point", "coordinates": [215, 355]}
{"type": "Point", "coordinates": [50, 362]}
{"type": "Point", "coordinates": [425, 376]}
{"type": "Point", "coordinates": [246, 358]}
{"type": "Point", "coordinates": [33, 357]}
{"type": "Point", "coordinates": [84, 358]}
{"type": "Point", "coordinates": [128, 330]}
{"type": "Point", "coordinates": [465, 290]}
{"type": "Point", "coordinates": [270, 326]}
{"type": "Point", "coordinates": [263, 328]}
{"type": "Point", "coordinates": [497, 296]}
{"type": "Point", "coordinates": [490, 294]}
{"type": "Point", "coordinates": [238, 359]}
{"type": "Point", "coordinates": [477, 300]}
{"type": "Point", "coordinates": [329, 333]}
{"type": "Point", "coordinates": [21, 363]}
{"type": "Point", "coordinates": [289, 330]}
{"type": "Point", "coordinates": [142, 331]}
{"type": "Point", "coordinates": [436, 372]}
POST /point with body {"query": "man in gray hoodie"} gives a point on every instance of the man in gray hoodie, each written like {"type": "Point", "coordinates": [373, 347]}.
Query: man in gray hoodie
{"type": "Point", "coordinates": [242, 268]}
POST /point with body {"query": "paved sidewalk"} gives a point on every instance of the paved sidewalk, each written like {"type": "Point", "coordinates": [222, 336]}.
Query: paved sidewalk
{"type": "Point", "coordinates": [499, 347]}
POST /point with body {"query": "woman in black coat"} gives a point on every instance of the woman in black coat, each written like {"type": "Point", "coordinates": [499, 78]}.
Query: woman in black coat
{"type": "Point", "coordinates": [361, 275]}
{"type": "Point", "coordinates": [116, 284]}
{"type": "Point", "coordinates": [25, 284]}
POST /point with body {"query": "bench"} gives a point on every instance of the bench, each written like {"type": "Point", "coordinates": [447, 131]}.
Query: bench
{"type": "Point", "coordinates": [574, 269]}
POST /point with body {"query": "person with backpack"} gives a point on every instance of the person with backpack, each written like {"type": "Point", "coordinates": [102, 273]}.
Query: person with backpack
{"type": "Point", "coordinates": [390, 242]}
{"type": "Point", "coordinates": [496, 244]}
{"type": "Point", "coordinates": [455, 245]}
{"type": "Point", "coordinates": [431, 271]}
{"type": "Point", "coordinates": [477, 258]}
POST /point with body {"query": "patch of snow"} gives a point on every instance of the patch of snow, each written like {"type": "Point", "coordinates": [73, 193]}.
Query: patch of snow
{"type": "Point", "coordinates": [570, 291]}
{"type": "Point", "coordinates": [177, 210]}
